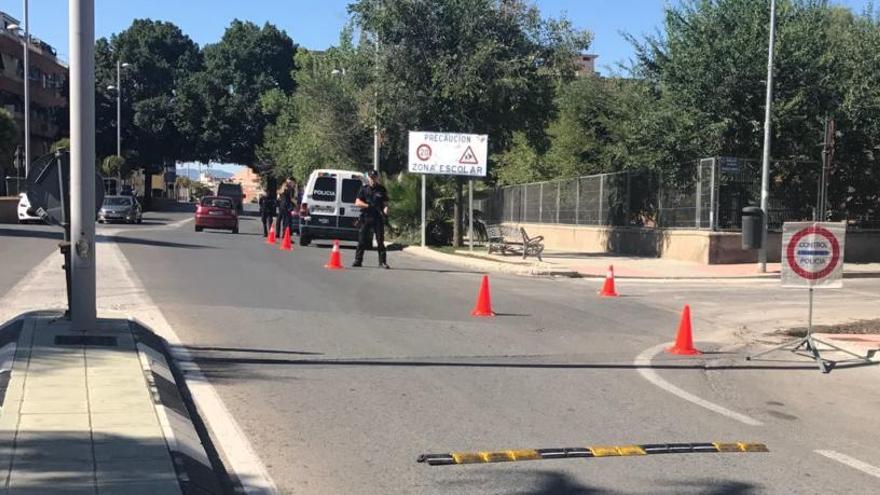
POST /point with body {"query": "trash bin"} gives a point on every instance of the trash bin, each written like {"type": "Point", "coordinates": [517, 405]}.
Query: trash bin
{"type": "Point", "coordinates": [752, 227]}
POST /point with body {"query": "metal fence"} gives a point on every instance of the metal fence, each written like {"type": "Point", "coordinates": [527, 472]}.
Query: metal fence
{"type": "Point", "coordinates": [617, 198]}
{"type": "Point", "coordinates": [708, 194]}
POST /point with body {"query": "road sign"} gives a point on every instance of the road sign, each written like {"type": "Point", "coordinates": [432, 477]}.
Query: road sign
{"type": "Point", "coordinates": [447, 153]}
{"type": "Point", "coordinates": [812, 254]}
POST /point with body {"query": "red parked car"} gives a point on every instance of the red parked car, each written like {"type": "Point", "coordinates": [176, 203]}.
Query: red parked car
{"type": "Point", "coordinates": [216, 212]}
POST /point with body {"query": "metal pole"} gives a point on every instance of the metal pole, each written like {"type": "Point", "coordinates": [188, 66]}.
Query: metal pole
{"type": "Point", "coordinates": [471, 213]}
{"type": "Point", "coordinates": [119, 108]}
{"type": "Point", "coordinates": [601, 198]}
{"type": "Point", "coordinates": [424, 223]}
{"type": "Point", "coordinates": [765, 168]}
{"type": "Point", "coordinates": [27, 91]}
{"type": "Point", "coordinates": [376, 108]}
{"type": "Point", "coordinates": [82, 163]}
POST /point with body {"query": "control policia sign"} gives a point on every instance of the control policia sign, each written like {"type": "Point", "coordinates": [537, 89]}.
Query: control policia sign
{"type": "Point", "coordinates": [812, 254]}
{"type": "Point", "coordinates": [447, 153]}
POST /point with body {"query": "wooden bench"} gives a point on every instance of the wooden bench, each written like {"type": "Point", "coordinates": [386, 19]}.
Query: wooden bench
{"type": "Point", "coordinates": [505, 239]}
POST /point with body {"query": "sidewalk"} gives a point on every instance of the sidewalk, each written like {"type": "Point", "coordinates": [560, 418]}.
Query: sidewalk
{"type": "Point", "coordinates": [78, 416]}
{"type": "Point", "coordinates": [596, 265]}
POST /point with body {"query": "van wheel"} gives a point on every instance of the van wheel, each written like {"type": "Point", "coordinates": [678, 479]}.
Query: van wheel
{"type": "Point", "coordinates": [305, 240]}
{"type": "Point", "coordinates": [235, 229]}
{"type": "Point", "coordinates": [198, 229]}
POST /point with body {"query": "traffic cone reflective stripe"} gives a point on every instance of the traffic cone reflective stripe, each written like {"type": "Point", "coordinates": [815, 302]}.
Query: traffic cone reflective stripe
{"type": "Point", "coordinates": [271, 238]}
{"type": "Point", "coordinates": [335, 262]}
{"type": "Point", "coordinates": [286, 245]}
{"type": "Point", "coordinates": [484, 300]}
{"type": "Point", "coordinates": [608, 286]}
{"type": "Point", "coordinates": [684, 341]}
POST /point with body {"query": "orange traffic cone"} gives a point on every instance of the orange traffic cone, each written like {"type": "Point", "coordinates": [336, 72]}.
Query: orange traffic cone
{"type": "Point", "coordinates": [684, 341]}
{"type": "Point", "coordinates": [484, 300]}
{"type": "Point", "coordinates": [608, 287]}
{"type": "Point", "coordinates": [335, 262]}
{"type": "Point", "coordinates": [286, 245]}
{"type": "Point", "coordinates": [271, 238]}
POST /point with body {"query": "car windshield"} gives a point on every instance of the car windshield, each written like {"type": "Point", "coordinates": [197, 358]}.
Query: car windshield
{"type": "Point", "coordinates": [217, 202]}
{"type": "Point", "coordinates": [117, 201]}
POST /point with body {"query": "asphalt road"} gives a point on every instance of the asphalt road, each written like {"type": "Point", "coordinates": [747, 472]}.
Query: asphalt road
{"type": "Point", "coordinates": [341, 379]}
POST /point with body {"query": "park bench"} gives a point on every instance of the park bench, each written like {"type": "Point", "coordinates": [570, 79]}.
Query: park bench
{"type": "Point", "coordinates": [505, 239]}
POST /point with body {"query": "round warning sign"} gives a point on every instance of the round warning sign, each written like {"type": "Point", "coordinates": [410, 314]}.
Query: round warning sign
{"type": "Point", "coordinates": [813, 253]}
{"type": "Point", "coordinates": [423, 152]}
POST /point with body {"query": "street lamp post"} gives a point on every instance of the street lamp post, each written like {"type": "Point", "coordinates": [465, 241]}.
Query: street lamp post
{"type": "Point", "coordinates": [27, 86]}
{"type": "Point", "coordinates": [83, 307]}
{"type": "Point", "coordinates": [765, 168]}
{"type": "Point", "coordinates": [118, 88]}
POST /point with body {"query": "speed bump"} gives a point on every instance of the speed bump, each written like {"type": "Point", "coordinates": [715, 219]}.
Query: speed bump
{"type": "Point", "coordinates": [459, 458]}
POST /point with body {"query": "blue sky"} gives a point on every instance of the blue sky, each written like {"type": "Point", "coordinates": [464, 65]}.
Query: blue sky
{"type": "Point", "coordinates": [316, 24]}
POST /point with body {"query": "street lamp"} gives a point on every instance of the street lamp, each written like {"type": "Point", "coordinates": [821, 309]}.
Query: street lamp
{"type": "Point", "coordinates": [118, 88]}
{"type": "Point", "coordinates": [27, 90]}
{"type": "Point", "coordinates": [765, 168]}
{"type": "Point", "coordinates": [341, 72]}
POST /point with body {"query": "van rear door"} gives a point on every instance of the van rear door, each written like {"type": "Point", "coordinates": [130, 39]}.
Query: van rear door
{"type": "Point", "coordinates": [348, 212]}
{"type": "Point", "coordinates": [324, 202]}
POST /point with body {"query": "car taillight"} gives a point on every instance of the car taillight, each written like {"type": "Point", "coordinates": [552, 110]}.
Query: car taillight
{"type": "Point", "coordinates": [303, 210]}
{"type": "Point", "coordinates": [198, 208]}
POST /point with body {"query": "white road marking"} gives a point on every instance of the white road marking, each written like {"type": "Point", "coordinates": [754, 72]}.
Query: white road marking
{"type": "Point", "coordinates": [123, 292]}
{"type": "Point", "coordinates": [851, 462]}
{"type": "Point", "coordinates": [643, 363]}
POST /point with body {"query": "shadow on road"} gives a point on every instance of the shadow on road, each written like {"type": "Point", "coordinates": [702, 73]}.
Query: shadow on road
{"type": "Point", "coordinates": [261, 351]}
{"type": "Point", "coordinates": [37, 234]}
{"type": "Point", "coordinates": [219, 362]}
{"type": "Point", "coordinates": [150, 242]}
{"type": "Point", "coordinates": [547, 482]}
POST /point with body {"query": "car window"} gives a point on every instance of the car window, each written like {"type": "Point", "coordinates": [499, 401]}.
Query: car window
{"type": "Point", "coordinates": [117, 202]}
{"type": "Point", "coordinates": [350, 188]}
{"type": "Point", "coordinates": [325, 189]}
{"type": "Point", "coordinates": [217, 202]}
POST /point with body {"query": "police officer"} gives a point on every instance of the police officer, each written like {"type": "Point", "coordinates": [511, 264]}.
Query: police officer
{"type": "Point", "coordinates": [267, 211]}
{"type": "Point", "coordinates": [372, 199]}
{"type": "Point", "coordinates": [286, 205]}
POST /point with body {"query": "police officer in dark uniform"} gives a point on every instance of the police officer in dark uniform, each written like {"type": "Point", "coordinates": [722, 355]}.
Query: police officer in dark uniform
{"type": "Point", "coordinates": [372, 199]}
{"type": "Point", "coordinates": [286, 205]}
{"type": "Point", "coordinates": [267, 211]}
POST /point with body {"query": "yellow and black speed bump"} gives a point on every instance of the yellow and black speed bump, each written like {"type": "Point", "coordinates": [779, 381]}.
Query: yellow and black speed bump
{"type": "Point", "coordinates": [456, 458]}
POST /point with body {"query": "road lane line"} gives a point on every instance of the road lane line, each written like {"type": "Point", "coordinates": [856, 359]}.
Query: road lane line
{"type": "Point", "coordinates": [124, 292]}
{"type": "Point", "coordinates": [851, 462]}
{"type": "Point", "coordinates": [643, 364]}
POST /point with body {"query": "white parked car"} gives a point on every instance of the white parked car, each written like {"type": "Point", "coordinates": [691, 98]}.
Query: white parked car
{"type": "Point", "coordinates": [23, 207]}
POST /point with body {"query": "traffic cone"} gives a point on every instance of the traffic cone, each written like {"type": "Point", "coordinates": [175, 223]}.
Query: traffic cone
{"type": "Point", "coordinates": [684, 341]}
{"type": "Point", "coordinates": [484, 300]}
{"type": "Point", "coordinates": [608, 287]}
{"type": "Point", "coordinates": [286, 245]}
{"type": "Point", "coordinates": [271, 238]}
{"type": "Point", "coordinates": [335, 262]}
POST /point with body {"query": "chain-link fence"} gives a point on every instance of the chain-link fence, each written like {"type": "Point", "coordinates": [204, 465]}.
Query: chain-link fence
{"type": "Point", "coordinates": [622, 198]}
{"type": "Point", "coordinates": [708, 194]}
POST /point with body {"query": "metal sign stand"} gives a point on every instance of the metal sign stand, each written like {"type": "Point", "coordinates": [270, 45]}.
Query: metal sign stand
{"type": "Point", "coordinates": [808, 343]}
{"type": "Point", "coordinates": [424, 223]}
{"type": "Point", "coordinates": [471, 214]}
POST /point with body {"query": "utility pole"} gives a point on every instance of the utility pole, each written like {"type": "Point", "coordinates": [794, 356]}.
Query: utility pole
{"type": "Point", "coordinates": [765, 168]}
{"type": "Point", "coordinates": [376, 108]}
{"type": "Point", "coordinates": [83, 311]}
{"type": "Point", "coordinates": [27, 91]}
{"type": "Point", "coordinates": [118, 107]}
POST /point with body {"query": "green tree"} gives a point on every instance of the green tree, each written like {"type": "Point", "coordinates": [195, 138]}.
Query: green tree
{"type": "Point", "coordinates": [8, 137]}
{"type": "Point", "coordinates": [248, 62]}
{"type": "Point", "coordinates": [115, 166]}
{"type": "Point", "coordinates": [160, 58]}
{"type": "Point", "coordinates": [61, 144]}
{"type": "Point", "coordinates": [479, 66]}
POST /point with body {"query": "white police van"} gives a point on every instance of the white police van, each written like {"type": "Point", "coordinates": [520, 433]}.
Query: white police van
{"type": "Point", "coordinates": [327, 210]}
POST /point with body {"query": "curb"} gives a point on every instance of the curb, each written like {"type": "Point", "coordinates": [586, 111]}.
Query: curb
{"type": "Point", "coordinates": [536, 270]}
{"type": "Point", "coordinates": [490, 266]}
{"type": "Point", "coordinates": [195, 460]}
